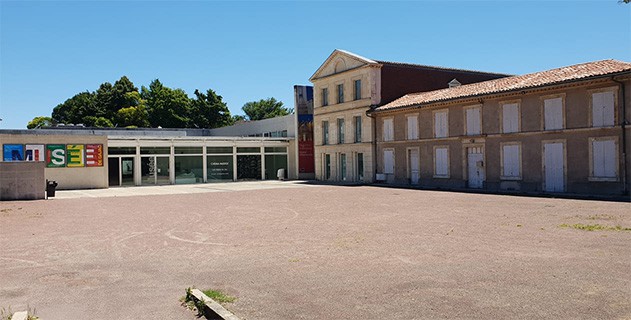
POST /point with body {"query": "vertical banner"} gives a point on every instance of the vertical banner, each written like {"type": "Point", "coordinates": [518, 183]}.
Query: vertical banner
{"type": "Point", "coordinates": [34, 152]}
{"type": "Point", "coordinates": [94, 155]}
{"type": "Point", "coordinates": [55, 155]}
{"type": "Point", "coordinates": [75, 156]}
{"type": "Point", "coordinates": [304, 112]}
{"type": "Point", "coordinates": [13, 152]}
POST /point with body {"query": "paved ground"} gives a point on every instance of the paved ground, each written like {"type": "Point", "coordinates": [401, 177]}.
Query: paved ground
{"type": "Point", "coordinates": [317, 252]}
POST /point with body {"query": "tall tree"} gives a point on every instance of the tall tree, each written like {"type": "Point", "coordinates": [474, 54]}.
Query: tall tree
{"type": "Point", "coordinates": [209, 111]}
{"type": "Point", "coordinates": [39, 122]}
{"type": "Point", "coordinates": [264, 109]}
{"type": "Point", "coordinates": [75, 109]}
{"type": "Point", "coordinates": [168, 108]}
{"type": "Point", "coordinates": [133, 116]}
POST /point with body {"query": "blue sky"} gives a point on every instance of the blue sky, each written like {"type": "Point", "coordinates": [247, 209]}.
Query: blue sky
{"type": "Point", "coordinates": [246, 51]}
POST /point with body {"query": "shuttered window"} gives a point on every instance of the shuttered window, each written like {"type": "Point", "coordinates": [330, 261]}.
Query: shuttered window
{"type": "Point", "coordinates": [603, 109]}
{"type": "Point", "coordinates": [412, 127]}
{"type": "Point", "coordinates": [604, 162]}
{"type": "Point", "coordinates": [441, 162]}
{"type": "Point", "coordinates": [511, 155]}
{"type": "Point", "coordinates": [510, 118]}
{"type": "Point", "coordinates": [388, 130]}
{"type": "Point", "coordinates": [440, 124]}
{"type": "Point", "coordinates": [553, 114]}
{"type": "Point", "coordinates": [473, 121]}
{"type": "Point", "coordinates": [388, 161]}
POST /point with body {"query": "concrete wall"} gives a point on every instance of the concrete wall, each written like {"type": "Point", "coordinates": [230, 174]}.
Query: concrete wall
{"type": "Point", "coordinates": [22, 181]}
{"type": "Point", "coordinates": [576, 136]}
{"type": "Point", "coordinates": [248, 128]}
{"type": "Point", "coordinates": [68, 178]}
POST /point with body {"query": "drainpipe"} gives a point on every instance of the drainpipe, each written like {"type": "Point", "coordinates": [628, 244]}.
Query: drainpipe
{"type": "Point", "coordinates": [623, 124]}
{"type": "Point", "coordinates": [374, 142]}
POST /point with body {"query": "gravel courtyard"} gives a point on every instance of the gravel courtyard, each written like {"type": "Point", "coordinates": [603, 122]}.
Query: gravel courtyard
{"type": "Point", "coordinates": [318, 252]}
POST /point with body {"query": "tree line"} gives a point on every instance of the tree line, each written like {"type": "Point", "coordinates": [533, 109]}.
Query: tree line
{"type": "Point", "coordinates": [122, 104]}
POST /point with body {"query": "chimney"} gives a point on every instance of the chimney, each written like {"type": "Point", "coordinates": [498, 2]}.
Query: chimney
{"type": "Point", "coordinates": [454, 83]}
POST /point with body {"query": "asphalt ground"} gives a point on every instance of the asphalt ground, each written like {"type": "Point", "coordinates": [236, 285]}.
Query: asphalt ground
{"type": "Point", "coordinates": [317, 252]}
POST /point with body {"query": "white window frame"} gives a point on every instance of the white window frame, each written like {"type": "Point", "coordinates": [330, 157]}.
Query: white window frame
{"type": "Point", "coordinates": [592, 177]}
{"type": "Point", "coordinates": [389, 137]}
{"type": "Point", "coordinates": [503, 175]}
{"type": "Point", "coordinates": [543, 111]}
{"type": "Point", "coordinates": [466, 120]}
{"type": "Point", "coordinates": [408, 132]}
{"type": "Point", "coordinates": [614, 91]}
{"type": "Point", "coordinates": [434, 120]}
{"type": "Point", "coordinates": [503, 104]}
{"type": "Point", "coordinates": [442, 176]}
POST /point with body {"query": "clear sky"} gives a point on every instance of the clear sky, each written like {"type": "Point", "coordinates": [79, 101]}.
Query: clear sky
{"type": "Point", "coordinates": [246, 51]}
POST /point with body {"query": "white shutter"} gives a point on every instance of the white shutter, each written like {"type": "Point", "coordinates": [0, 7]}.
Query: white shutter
{"type": "Point", "coordinates": [440, 124]}
{"type": "Point", "coordinates": [510, 118]}
{"type": "Point", "coordinates": [511, 161]}
{"type": "Point", "coordinates": [412, 127]}
{"type": "Point", "coordinates": [388, 130]}
{"type": "Point", "coordinates": [597, 110]}
{"type": "Point", "coordinates": [441, 160]}
{"type": "Point", "coordinates": [473, 121]}
{"type": "Point", "coordinates": [604, 159]}
{"type": "Point", "coordinates": [388, 161]}
{"type": "Point", "coordinates": [553, 114]}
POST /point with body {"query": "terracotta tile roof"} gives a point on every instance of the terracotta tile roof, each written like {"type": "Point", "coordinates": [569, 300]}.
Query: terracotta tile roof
{"type": "Point", "coordinates": [537, 79]}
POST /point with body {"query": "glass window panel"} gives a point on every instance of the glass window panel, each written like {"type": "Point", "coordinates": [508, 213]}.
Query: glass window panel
{"type": "Point", "coordinates": [275, 149]}
{"type": "Point", "coordinates": [273, 163]}
{"type": "Point", "coordinates": [220, 168]}
{"type": "Point", "coordinates": [188, 150]}
{"type": "Point", "coordinates": [121, 150]}
{"type": "Point", "coordinates": [188, 169]}
{"type": "Point", "coordinates": [220, 150]}
{"type": "Point", "coordinates": [155, 150]}
{"type": "Point", "coordinates": [249, 167]}
{"type": "Point", "coordinates": [248, 150]}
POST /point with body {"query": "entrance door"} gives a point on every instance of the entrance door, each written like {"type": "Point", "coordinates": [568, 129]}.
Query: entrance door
{"type": "Point", "coordinates": [154, 170]}
{"type": "Point", "coordinates": [127, 171]}
{"type": "Point", "coordinates": [113, 165]}
{"type": "Point", "coordinates": [554, 167]}
{"type": "Point", "coordinates": [413, 165]}
{"type": "Point", "coordinates": [475, 167]}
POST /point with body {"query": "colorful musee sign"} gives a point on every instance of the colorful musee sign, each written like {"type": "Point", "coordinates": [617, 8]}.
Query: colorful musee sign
{"type": "Point", "coordinates": [57, 155]}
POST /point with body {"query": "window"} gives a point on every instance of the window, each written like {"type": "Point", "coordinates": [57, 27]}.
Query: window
{"type": "Point", "coordinates": [511, 161]}
{"type": "Point", "coordinates": [473, 121]}
{"type": "Point", "coordinates": [412, 127]}
{"type": "Point", "coordinates": [327, 166]}
{"type": "Point", "coordinates": [358, 89]}
{"type": "Point", "coordinates": [325, 97]}
{"type": "Point", "coordinates": [340, 93]}
{"type": "Point", "coordinates": [441, 162]}
{"type": "Point", "coordinates": [441, 124]}
{"type": "Point", "coordinates": [358, 129]}
{"type": "Point", "coordinates": [604, 162]}
{"type": "Point", "coordinates": [388, 129]}
{"type": "Point", "coordinates": [325, 132]}
{"type": "Point", "coordinates": [343, 167]}
{"type": "Point", "coordinates": [510, 118]}
{"type": "Point", "coordinates": [553, 114]}
{"type": "Point", "coordinates": [388, 161]}
{"type": "Point", "coordinates": [603, 109]}
{"type": "Point", "coordinates": [340, 131]}
{"type": "Point", "coordinates": [360, 166]}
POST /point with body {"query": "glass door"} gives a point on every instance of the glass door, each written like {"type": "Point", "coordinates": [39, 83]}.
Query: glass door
{"type": "Point", "coordinates": [127, 171]}
{"type": "Point", "coordinates": [154, 170]}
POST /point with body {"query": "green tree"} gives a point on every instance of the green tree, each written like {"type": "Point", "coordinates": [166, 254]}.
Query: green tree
{"type": "Point", "coordinates": [102, 122]}
{"type": "Point", "coordinates": [136, 116]}
{"type": "Point", "coordinates": [75, 109]}
{"type": "Point", "coordinates": [238, 117]}
{"type": "Point", "coordinates": [209, 111]}
{"type": "Point", "coordinates": [167, 108]}
{"type": "Point", "coordinates": [39, 122]}
{"type": "Point", "coordinates": [264, 109]}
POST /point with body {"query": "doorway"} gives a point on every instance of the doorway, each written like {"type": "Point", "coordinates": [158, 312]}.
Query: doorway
{"type": "Point", "coordinates": [475, 167]}
{"type": "Point", "coordinates": [154, 170]}
{"type": "Point", "coordinates": [554, 166]}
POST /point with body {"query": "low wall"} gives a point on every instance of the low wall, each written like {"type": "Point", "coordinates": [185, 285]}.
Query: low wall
{"type": "Point", "coordinates": [22, 181]}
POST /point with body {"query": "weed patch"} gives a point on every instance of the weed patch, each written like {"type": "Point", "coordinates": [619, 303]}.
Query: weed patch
{"type": "Point", "coordinates": [594, 227]}
{"type": "Point", "coordinates": [219, 296]}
